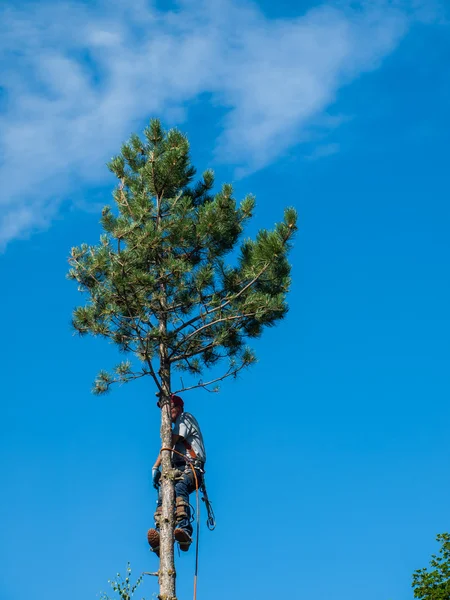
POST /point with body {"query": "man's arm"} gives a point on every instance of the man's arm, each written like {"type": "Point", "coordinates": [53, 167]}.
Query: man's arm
{"type": "Point", "coordinates": [176, 438]}
{"type": "Point", "coordinates": [156, 473]}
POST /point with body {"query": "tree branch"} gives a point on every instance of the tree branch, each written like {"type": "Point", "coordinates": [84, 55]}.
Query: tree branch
{"type": "Point", "coordinates": [200, 384]}
{"type": "Point", "coordinates": [210, 324]}
{"type": "Point", "coordinates": [209, 312]}
{"type": "Point", "coordinates": [191, 354]}
{"type": "Point", "coordinates": [145, 349]}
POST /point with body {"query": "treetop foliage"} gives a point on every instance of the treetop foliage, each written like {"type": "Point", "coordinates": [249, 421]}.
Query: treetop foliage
{"type": "Point", "coordinates": [434, 584]}
{"type": "Point", "coordinates": [158, 284]}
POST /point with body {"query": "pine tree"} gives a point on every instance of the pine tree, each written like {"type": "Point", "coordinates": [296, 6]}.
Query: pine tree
{"type": "Point", "coordinates": [158, 285]}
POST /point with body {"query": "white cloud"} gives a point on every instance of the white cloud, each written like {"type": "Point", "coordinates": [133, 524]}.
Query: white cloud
{"type": "Point", "coordinates": [78, 77]}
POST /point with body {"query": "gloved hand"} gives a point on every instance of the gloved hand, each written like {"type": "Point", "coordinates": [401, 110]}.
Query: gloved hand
{"type": "Point", "coordinates": [156, 476]}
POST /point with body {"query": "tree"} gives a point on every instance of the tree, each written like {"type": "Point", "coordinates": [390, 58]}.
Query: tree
{"type": "Point", "coordinates": [123, 587]}
{"type": "Point", "coordinates": [159, 288]}
{"type": "Point", "coordinates": [435, 584]}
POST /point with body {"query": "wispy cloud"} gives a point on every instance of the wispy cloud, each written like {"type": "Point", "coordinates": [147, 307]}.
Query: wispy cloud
{"type": "Point", "coordinates": [78, 77]}
{"type": "Point", "coordinates": [323, 150]}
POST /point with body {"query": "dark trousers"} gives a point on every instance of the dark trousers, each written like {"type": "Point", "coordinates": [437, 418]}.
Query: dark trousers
{"type": "Point", "coordinates": [183, 488]}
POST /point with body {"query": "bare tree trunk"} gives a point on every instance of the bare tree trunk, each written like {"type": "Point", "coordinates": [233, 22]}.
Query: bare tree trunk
{"type": "Point", "coordinates": [167, 571]}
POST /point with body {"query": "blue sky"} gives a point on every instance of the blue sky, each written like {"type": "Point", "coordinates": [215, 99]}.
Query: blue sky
{"type": "Point", "coordinates": [328, 461]}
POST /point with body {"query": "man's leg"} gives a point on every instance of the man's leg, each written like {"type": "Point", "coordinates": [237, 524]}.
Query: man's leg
{"type": "Point", "coordinates": [183, 527]}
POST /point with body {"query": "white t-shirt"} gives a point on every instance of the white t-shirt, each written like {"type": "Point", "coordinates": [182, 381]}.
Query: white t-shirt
{"type": "Point", "coordinates": [187, 427]}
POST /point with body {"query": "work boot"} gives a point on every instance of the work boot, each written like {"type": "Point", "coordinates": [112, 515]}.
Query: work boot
{"type": "Point", "coordinates": [183, 538]}
{"type": "Point", "coordinates": [153, 540]}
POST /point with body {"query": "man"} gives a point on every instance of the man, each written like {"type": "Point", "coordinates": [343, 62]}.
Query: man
{"type": "Point", "coordinates": [187, 440]}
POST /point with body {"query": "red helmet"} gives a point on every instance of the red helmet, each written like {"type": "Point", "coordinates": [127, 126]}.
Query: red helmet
{"type": "Point", "coordinates": [175, 401]}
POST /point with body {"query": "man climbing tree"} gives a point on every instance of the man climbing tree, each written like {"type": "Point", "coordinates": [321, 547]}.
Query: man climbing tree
{"type": "Point", "coordinates": [159, 288]}
{"type": "Point", "coordinates": [188, 458]}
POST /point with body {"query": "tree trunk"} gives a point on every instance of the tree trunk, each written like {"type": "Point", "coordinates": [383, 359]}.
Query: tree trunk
{"type": "Point", "coordinates": [167, 571]}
